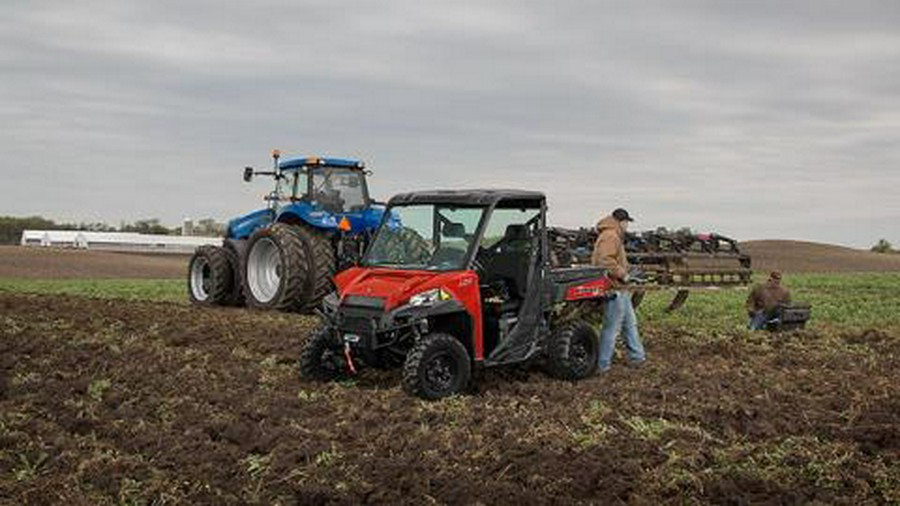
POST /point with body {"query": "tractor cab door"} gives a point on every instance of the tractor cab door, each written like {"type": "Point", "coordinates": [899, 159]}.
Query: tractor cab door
{"type": "Point", "coordinates": [509, 265]}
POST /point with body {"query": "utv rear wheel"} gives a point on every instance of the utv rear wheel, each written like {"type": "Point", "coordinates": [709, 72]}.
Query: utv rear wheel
{"type": "Point", "coordinates": [437, 366]}
{"type": "Point", "coordinates": [573, 351]}
{"type": "Point", "coordinates": [321, 359]}
{"type": "Point", "coordinates": [210, 277]}
{"type": "Point", "coordinates": [320, 268]}
{"type": "Point", "coordinates": [276, 269]}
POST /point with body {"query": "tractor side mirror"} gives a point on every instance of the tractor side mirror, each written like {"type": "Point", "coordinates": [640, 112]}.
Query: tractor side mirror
{"type": "Point", "coordinates": [248, 174]}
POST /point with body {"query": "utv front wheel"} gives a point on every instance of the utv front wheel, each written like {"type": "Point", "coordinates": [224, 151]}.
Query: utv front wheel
{"type": "Point", "coordinates": [437, 366]}
{"type": "Point", "coordinates": [211, 277]}
{"type": "Point", "coordinates": [573, 351]}
{"type": "Point", "coordinates": [321, 359]}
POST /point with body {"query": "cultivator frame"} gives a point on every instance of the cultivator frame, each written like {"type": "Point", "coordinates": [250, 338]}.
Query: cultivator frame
{"type": "Point", "coordinates": [680, 260]}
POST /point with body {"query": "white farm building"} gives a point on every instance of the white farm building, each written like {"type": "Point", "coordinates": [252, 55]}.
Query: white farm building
{"type": "Point", "coordinates": [116, 241]}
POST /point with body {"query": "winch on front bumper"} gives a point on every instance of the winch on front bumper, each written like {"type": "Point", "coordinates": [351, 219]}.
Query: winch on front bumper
{"type": "Point", "coordinates": [363, 323]}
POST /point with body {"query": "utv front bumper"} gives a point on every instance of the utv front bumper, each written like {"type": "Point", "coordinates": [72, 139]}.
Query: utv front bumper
{"type": "Point", "coordinates": [366, 326]}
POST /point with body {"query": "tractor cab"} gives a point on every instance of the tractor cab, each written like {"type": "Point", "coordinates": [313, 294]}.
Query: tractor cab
{"type": "Point", "coordinates": [452, 280]}
{"type": "Point", "coordinates": [335, 185]}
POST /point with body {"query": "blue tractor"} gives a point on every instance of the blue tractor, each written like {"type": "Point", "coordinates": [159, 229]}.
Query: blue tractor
{"type": "Point", "coordinates": [319, 219]}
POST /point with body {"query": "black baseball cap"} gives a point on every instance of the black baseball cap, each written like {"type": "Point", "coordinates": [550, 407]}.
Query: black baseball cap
{"type": "Point", "coordinates": [622, 215]}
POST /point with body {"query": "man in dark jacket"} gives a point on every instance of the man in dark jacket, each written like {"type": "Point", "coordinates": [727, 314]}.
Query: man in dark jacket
{"type": "Point", "coordinates": [764, 299]}
{"type": "Point", "coordinates": [618, 316]}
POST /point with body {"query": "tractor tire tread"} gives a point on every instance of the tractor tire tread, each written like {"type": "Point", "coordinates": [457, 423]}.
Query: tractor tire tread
{"type": "Point", "coordinates": [294, 264]}
{"type": "Point", "coordinates": [222, 281]}
{"type": "Point", "coordinates": [322, 266]}
{"type": "Point", "coordinates": [236, 297]}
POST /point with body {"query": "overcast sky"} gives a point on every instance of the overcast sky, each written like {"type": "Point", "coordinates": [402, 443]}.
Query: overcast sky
{"type": "Point", "coordinates": [763, 119]}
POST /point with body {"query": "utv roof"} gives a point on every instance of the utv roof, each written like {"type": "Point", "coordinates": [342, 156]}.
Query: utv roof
{"type": "Point", "coordinates": [315, 161]}
{"type": "Point", "coordinates": [470, 197]}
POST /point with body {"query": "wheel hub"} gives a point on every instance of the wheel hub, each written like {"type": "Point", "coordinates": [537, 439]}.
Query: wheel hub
{"type": "Point", "coordinates": [201, 278]}
{"type": "Point", "coordinates": [264, 270]}
{"type": "Point", "coordinates": [440, 372]}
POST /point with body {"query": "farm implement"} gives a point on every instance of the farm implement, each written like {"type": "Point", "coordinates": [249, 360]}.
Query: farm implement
{"type": "Point", "coordinates": [680, 261]}
{"type": "Point", "coordinates": [455, 280]}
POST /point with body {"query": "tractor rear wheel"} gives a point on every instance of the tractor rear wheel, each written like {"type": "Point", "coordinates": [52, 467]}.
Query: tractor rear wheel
{"type": "Point", "coordinates": [573, 351]}
{"type": "Point", "coordinates": [237, 288]}
{"type": "Point", "coordinates": [210, 276]}
{"type": "Point", "coordinates": [321, 359]}
{"type": "Point", "coordinates": [437, 366]}
{"type": "Point", "coordinates": [320, 268]}
{"type": "Point", "coordinates": [276, 269]}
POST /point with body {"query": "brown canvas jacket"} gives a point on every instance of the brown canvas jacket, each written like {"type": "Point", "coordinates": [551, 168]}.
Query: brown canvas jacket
{"type": "Point", "coordinates": [609, 250]}
{"type": "Point", "coordinates": [767, 297]}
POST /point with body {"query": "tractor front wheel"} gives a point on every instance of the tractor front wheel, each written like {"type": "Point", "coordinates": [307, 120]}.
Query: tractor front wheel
{"type": "Point", "coordinates": [211, 276]}
{"type": "Point", "coordinates": [573, 351]}
{"type": "Point", "coordinates": [437, 366]}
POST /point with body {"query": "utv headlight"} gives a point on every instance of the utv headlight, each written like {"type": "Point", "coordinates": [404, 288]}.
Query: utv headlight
{"type": "Point", "coordinates": [429, 297]}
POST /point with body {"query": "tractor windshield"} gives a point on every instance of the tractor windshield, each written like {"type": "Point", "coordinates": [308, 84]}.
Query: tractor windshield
{"type": "Point", "coordinates": [338, 189]}
{"type": "Point", "coordinates": [425, 236]}
{"type": "Point", "coordinates": [290, 184]}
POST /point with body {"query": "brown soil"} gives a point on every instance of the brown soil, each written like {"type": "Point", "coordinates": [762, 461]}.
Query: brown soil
{"type": "Point", "coordinates": [57, 263]}
{"type": "Point", "coordinates": [800, 256]}
{"type": "Point", "coordinates": [105, 402]}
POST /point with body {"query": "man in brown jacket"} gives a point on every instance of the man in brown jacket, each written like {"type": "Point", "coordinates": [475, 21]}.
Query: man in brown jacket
{"type": "Point", "coordinates": [618, 316]}
{"type": "Point", "coordinates": [764, 300]}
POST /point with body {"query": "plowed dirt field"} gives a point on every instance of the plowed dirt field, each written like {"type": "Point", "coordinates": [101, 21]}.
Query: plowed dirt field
{"type": "Point", "coordinates": [117, 402]}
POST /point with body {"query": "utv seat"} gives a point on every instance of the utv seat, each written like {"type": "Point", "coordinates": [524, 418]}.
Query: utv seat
{"type": "Point", "coordinates": [511, 260]}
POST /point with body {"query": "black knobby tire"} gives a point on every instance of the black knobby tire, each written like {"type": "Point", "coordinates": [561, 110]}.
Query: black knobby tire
{"type": "Point", "coordinates": [210, 278]}
{"type": "Point", "coordinates": [437, 366]}
{"type": "Point", "coordinates": [237, 288]}
{"type": "Point", "coordinates": [292, 288]}
{"type": "Point", "coordinates": [573, 351]}
{"type": "Point", "coordinates": [321, 358]}
{"type": "Point", "coordinates": [321, 267]}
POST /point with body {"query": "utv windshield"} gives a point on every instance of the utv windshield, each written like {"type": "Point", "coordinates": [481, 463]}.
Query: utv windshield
{"type": "Point", "coordinates": [425, 236]}
{"type": "Point", "coordinates": [338, 189]}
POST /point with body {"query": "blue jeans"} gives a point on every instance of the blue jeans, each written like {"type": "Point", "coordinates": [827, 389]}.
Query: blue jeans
{"type": "Point", "coordinates": [758, 321]}
{"type": "Point", "coordinates": [619, 317]}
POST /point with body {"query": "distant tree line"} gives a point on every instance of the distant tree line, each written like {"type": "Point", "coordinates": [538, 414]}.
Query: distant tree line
{"type": "Point", "coordinates": [11, 227]}
{"type": "Point", "coordinates": [884, 246]}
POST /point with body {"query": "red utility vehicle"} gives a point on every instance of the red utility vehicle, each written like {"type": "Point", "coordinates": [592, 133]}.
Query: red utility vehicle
{"type": "Point", "coordinates": [455, 280]}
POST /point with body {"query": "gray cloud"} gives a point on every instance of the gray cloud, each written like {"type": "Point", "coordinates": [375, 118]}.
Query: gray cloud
{"type": "Point", "coordinates": [761, 119]}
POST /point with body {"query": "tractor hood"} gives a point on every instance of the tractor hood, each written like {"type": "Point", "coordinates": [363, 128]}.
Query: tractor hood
{"type": "Point", "coordinates": [243, 226]}
{"type": "Point", "coordinates": [396, 286]}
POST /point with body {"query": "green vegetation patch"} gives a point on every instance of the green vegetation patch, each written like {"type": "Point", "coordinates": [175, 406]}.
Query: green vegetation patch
{"type": "Point", "coordinates": [838, 300]}
{"type": "Point", "coordinates": [133, 289]}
